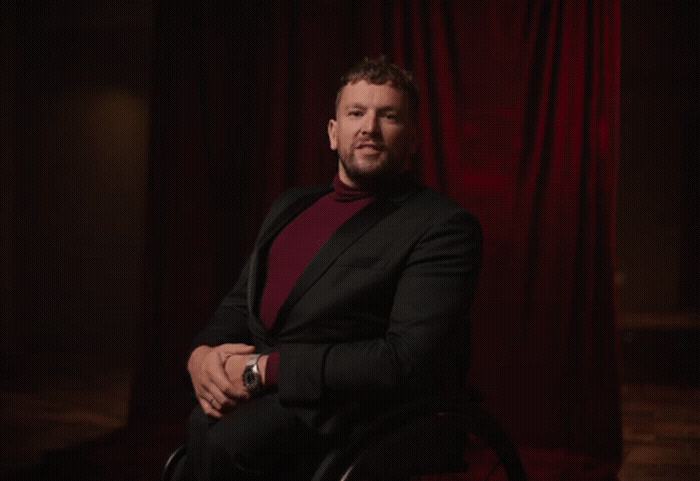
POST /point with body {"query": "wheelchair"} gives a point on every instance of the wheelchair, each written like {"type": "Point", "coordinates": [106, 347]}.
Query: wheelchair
{"type": "Point", "coordinates": [460, 438]}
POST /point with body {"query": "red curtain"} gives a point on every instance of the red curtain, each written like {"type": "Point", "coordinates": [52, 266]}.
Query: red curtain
{"type": "Point", "coordinates": [519, 123]}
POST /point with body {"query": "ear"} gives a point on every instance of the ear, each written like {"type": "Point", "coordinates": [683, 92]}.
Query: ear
{"type": "Point", "coordinates": [333, 133]}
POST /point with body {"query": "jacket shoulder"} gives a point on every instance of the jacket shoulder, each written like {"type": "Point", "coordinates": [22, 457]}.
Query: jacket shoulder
{"type": "Point", "coordinates": [432, 204]}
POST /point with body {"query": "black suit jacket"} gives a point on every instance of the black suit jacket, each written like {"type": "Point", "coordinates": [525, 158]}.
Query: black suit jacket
{"type": "Point", "coordinates": [379, 314]}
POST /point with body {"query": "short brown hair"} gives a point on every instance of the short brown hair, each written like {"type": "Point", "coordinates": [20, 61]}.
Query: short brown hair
{"type": "Point", "coordinates": [380, 71]}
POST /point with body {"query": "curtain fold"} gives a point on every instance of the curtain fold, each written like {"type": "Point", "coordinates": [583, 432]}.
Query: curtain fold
{"type": "Point", "coordinates": [519, 123]}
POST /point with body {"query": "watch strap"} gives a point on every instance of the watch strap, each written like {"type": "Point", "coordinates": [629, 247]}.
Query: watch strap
{"type": "Point", "coordinates": [253, 363]}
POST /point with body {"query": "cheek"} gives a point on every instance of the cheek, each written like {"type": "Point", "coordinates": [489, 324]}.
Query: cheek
{"type": "Point", "coordinates": [345, 133]}
{"type": "Point", "coordinates": [396, 138]}
{"type": "Point", "coordinates": [348, 138]}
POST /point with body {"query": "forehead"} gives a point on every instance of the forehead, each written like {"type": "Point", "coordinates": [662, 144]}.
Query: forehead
{"type": "Point", "coordinates": [372, 95]}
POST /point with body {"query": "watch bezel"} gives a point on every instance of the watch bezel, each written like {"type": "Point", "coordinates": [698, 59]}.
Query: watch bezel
{"type": "Point", "coordinates": [252, 379]}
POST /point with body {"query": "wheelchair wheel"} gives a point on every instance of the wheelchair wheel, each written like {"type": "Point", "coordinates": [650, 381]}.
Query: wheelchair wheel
{"type": "Point", "coordinates": [442, 446]}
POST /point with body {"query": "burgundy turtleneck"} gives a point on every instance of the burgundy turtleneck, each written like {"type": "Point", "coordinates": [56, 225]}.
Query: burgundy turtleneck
{"type": "Point", "coordinates": [296, 245]}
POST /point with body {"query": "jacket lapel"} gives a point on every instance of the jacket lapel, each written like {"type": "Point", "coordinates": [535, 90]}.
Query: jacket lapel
{"type": "Point", "coordinates": [343, 238]}
{"type": "Point", "coordinates": [255, 276]}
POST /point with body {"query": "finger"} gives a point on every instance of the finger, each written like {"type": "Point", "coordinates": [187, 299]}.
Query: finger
{"type": "Point", "coordinates": [213, 402]}
{"type": "Point", "coordinates": [215, 374]}
{"type": "Point", "coordinates": [217, 398]}
{"type": "Point", "coordinates": [241, 394]}
{"type": "Point", "coordinates": [220, 381]}
{"type": "Point", "coordinates": [237, 348]}
{"type": "Point", "coordinates": [229, 379]}
{"type": "Point", "coordinates": [208, 409]}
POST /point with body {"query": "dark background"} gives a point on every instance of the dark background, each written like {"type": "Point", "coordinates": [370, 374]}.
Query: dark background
{"type": "Point", "coordinates": [76, 104]}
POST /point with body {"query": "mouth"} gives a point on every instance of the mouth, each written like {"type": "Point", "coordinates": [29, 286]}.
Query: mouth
{"type": "Point", "coordinates": [370, 147]}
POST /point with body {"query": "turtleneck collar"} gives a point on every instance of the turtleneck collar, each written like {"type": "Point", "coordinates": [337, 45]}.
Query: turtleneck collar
{"type": "Point", "coordinates": [398, 186]}
{"type": "Point", "coordinates": [345, 193]}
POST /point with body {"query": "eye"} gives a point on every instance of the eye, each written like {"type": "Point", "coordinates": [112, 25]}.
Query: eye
{"type": "Point", "coordinates": [355, 113]}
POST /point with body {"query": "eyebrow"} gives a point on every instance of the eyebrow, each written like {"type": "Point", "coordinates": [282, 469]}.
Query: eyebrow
{"type": "Point", "coordinates": [381, 109]}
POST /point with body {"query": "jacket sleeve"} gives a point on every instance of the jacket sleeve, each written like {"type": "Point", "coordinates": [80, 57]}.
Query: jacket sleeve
{"type": "Point", "coordinates": [426, 344]}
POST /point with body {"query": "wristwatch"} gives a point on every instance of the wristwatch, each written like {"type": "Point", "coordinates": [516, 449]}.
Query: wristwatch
{"type": "Point", "coordinates": [252, 379]}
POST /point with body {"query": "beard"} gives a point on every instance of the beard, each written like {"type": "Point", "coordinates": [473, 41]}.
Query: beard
{"type": "Point", "coordinates": [375, 175]}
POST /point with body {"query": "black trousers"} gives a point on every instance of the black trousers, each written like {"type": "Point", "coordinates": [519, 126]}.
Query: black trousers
{"type": "Point", "coordinates": [258, 440]}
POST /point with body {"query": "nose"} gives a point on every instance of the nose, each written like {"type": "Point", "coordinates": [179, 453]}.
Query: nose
{"type": "Point", "coordinates": [370, 124]}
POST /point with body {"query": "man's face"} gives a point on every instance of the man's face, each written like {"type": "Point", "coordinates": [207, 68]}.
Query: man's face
{"type": "Point", "coordinates": [374, 132]}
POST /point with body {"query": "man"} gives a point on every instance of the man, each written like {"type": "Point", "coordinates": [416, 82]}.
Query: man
{"type": "Point", "coordinates": [353, 301]}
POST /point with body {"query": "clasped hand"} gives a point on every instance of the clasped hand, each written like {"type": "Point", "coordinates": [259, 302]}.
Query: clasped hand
{"type": "Point", "coordinates": [217, 376]}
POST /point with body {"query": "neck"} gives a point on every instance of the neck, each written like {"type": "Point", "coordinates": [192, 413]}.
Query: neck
{"type": "Point", "coordinates": [343, 176]}
{"type": "Point", "coordinates": [377, 183]}
{"type": "Point", "coordinates": [375, 187]}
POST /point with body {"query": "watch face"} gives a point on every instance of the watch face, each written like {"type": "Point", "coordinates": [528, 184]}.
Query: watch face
{"type": "Point", "coordinates": [251, 380]}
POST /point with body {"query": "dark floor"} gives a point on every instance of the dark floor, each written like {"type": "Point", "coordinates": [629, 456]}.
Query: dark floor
{"type": "Point", "coordinates": [661, 417]}
{"type": "Point", "coordinates": [660, 396]}
{"type": "Point", "coordinates": [661, 432]}
{"type": "Point", "coordinates": [74, 411]}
